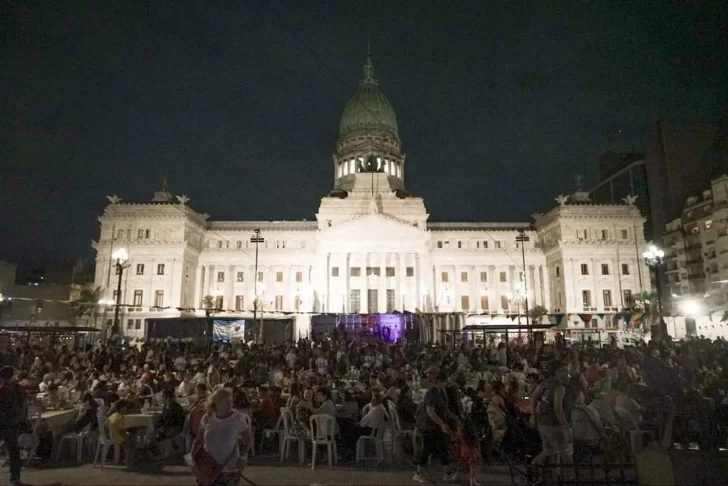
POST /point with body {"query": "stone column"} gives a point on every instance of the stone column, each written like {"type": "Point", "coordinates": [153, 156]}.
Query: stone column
{"type": "Point", "coordinates": [230, 299]}
{"type": "Point", "coordinates": [419, 290]}
{"type": "Point", "coordinates": [347, 283]}
{"type": "Point", "coordinates": [212, 282]}
{"type": "Point", "coordinates": [199, 282]}
{"type": "Point", "coordinates": [382, 284]}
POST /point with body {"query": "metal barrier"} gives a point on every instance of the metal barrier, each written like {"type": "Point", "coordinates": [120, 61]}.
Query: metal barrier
{"type": "Point", "coordinates": [591, 472]}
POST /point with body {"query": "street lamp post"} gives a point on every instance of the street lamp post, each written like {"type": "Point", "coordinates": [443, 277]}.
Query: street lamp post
{"type": "Point", "coordinates": [121, 262]}
{"type": "Point", "coordinates": [522, 239]}
{"type": "Point", "coordinates": [653, 258]}
{"type": "Point", "coordinates": [256, 238]}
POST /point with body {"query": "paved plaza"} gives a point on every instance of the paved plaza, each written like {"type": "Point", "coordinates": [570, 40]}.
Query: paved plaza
{"type": "Point", "coordinates": [260, 472]}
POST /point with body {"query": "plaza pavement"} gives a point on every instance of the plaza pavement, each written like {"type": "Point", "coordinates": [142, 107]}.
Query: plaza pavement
{"type": "Point", "coordinates": [266, 472]}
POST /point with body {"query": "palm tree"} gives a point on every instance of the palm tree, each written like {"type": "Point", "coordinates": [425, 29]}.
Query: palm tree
{"type": "Point", "coordinates": [537, 313]}
{"type": "Point", "coordinates": [208, 303]}
{"type": "Point", "coordinates": [87, 303]}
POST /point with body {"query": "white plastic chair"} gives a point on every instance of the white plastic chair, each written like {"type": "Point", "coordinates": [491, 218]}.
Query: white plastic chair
{"type": "Point", "coordinates": [104, 442]}
{"type": "Point", "coordinates": [399, 432]}
{"type": "Point", "coordinates": [323, 427]}
{"type": "Point", "coordinates": [288, 437]}
{"type": "Point", "coordinates": [269, 433]}
{"type": "Point", "coordinates": [29, 442]}
{"type": "Point", "coordinates": [377, 438]}
{"type": "Point", "coordinates": [78, 438]}
{"type": "Point", "coordinates": [249, 423]}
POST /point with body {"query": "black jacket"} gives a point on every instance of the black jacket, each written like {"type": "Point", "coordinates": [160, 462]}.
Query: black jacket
{"type": "Point", "coordinates": [13, 410]}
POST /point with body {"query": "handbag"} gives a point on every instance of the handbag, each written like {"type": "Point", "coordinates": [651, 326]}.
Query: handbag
{"type": "Point", "coordinates": [205, 467]}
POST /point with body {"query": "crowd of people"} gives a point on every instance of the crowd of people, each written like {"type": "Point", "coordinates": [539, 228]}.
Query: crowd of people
{"type": "Point", "coordinates": [481, 402]}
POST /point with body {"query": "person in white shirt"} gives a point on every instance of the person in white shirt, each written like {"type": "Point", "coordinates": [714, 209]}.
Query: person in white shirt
{"type": "Point", "coordinates": [186, 387]}
{"type": "Point", "coordinates": [375, 416]}
{"type": "Point", "coordinates": [180, 364]}
{"type": "Point", "coordinates": [43, 386]}
{"type": "Point", "coordinates": [223, 428]}
{"type": "Point", "coordinates": [291, 359]}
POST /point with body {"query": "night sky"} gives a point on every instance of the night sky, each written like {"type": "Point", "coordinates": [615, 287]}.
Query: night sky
{"type": "Point", "coordinates": [499, 104]}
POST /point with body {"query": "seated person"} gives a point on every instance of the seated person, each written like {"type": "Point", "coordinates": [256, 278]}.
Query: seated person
{"type": "Point", "coordinates": [53, 400]}
{"type": "Point", "coordinates": [87, 415]}
{"type": "Point", "coordinates": [267, 415]}
{"type": "Point", "coordinates": [172, 419]}
{"type": "Point", "coordinates": [118, 433]}
{"type": "Point", "coordinates": [375, 417]}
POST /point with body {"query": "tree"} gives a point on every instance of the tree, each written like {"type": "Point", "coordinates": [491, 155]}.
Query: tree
{"type": "Point", "coordinates": [87, 303]}
{"type": "Point", "coordinates": [208, 303]}
{"type": "Point", "coordinates": [537, 313]}
{"type": "Point", "coordinates": [725, 317]}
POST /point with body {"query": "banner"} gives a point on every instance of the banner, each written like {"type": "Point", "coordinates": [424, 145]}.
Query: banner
{"type": "Point", "coordinates": [228, 330]}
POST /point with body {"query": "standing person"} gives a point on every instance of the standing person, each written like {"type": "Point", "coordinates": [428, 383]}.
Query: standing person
{"type": "Point", "coordinates": [13, 413]}
{"type": "Point", "coordinates": [221, 428]}
{"type": "Point", "coordinates": [432, 417]}
{"type": "Point", "coordinates": [554, 417]}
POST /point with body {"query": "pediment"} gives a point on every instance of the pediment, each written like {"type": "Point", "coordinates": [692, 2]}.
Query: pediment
{"type": "Point", "coordinates": [377, 229]}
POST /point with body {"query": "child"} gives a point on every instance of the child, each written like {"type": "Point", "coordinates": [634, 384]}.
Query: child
{"type": "Point", "coordinates": [465, 448]}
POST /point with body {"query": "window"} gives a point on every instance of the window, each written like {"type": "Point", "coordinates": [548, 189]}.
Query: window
{"type": "Point", "coordinates": [498, 244]}
{"type": "Point", "coordinates": [140, 234]}
{"type": "Point", "coordinates": [355, 301]}
{"type": "Point", "coordinates": [137, 324]}
{"type": "Point", "coordinates": [299, 277]}
{"type": "Point", "coordinates": [410, 271]}
{"type": "Point", "coordinates": [147, 233]}
{"type": "Point", "coordinates": [280, 244]}
{"type": "Point", "coordinates": [160, 268]}
{"type": "Point", "coordinates": [439, 244]}
{"type": "Point", "coordinates": [627, 297]}
{"type": "Point", "coordinates": [604, 235]}
{"type": "Point", "coordinates": [444, 277]}
{"type": "Point", "coordinates": [297, 303]}
{"type": "Point", "coordinates": [624, 234]}
{"type": "Point", "coordinates": [355, 271]}
{"type": "Point", "coordinates": [485, 245]}
{"type": "Point", "coordinates": [260, 276]}
{"type": "Point", "coordinates": [625, 269]}
{"type": "Point", "coordinates": [219, 302]}
{"type": "Point", "coordinates": [585, 269]}
{"type": "Point", "coordinates": [239, 302]}
{"type": "Point", "coordinates": [389, 271]}
{"type": "Point", "coordinates": [219, 244]}
{"type": "Point", "coordinates": [334, 271]}
{"type": "Point", "coordinates": [140, 269]}
{"type": "Point", "coordinates": [240, 277]}
{"type": "Point", "coordinates": [607, 296]}
{"type": "Point", "coordinates": [120, 234]}
{"type": "Point", "coordinates": [586, 298]}
{"type": "Point", "coordinates": [238, 244]}
{"type": "Point", "coordinates": [373, 271]}
{"type": "Point", "coordinates": [605, 269]}
{"type": "Point", "coordinates": [372, 301]}
{"type": "Point", "coordinates": [483, 276]}
{"type": "Point", "coordinates": [503, 277]}
{"type": "Point", "coordinates": [484, 302]}
{"type": "Point", "coordinates": [130, 324]}
{"type": "Point", "coordinates": [279, 303]}
{"type": "Point", "coordinates": [159, 298]}
{"type": "Point", "coordinates": [465, 302]}
{"type": "Point", "coordinates": [116, 295]}
{"type": "Point", "coordinates": [463, 276]}
{"type": "Point", "coordinates": [581, 234]}
{"type": "Point", "coordinates": [279, 276]}
{"type": "Point", "coordinates": [558, 272]}
{"type": "Point", "coordinates": [460, 244]}
{"type": "Point", "coordinates": [138, 298]}
{"type": "Point", "coordinates": [220, 276]}
{"type": "Point", "coordinates": [390, 300]}
{"type": "Point", "coordinates": [504, 302]}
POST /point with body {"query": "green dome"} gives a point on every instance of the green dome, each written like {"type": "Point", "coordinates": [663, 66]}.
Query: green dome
{"type": "Point", "coordinates": [368, 109]}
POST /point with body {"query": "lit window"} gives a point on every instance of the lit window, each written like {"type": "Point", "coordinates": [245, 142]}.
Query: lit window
{"type": "Point", "coordinates": [299, 277]}
{"type": "Point", "coordinates": [484, 302]}
{"type": "Point", "coordinates": [279, 276]}
{"type": "Point", "coordinates": [465, 302]}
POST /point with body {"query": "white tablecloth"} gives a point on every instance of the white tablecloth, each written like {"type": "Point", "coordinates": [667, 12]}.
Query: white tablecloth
{"type": "Point", "coordinates": [57, 420]}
